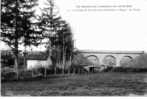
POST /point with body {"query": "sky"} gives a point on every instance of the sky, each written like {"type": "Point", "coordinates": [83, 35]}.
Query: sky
{"type": "Point", "coordinates": [105, 30]}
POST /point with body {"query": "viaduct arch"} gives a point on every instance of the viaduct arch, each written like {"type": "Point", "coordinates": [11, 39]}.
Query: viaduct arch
{"type": "Point", "coordinates": [111, 58]}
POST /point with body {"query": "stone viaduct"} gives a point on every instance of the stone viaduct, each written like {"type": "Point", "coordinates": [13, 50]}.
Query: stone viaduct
{"type": "Point", "coordinates": [111, 58]}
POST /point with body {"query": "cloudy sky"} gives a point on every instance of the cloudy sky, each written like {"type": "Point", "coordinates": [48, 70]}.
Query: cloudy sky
{"type": "Point", "coordinates": [106, 30]}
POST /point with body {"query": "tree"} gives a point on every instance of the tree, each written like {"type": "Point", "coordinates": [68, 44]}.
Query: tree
{"type": "Point", "coordinates": [58, 33]}
{"type": "Point", "coordinates": [32, 35]}
{"type": "Point", "coordinates": [49, 21]}
{"type": "Point", "coordinates": [16, 25]}
{"type": "Point", "coordinates": [140, 61]}
{"type": "Point", "coordinates": [64, 42]}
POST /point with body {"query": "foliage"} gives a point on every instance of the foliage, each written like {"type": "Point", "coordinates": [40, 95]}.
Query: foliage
{"type": "Point", "coordinates": [6, 59]}
{"type": "Point", "coordinates": [128, 69]}
{"type": "Point", "coordinates": [58, 34]}
{"type": "Point", "coordinates": [25, 74]}
{"type": "Point", "coordinates": [140, 61]}
{"type": "Point", "coordinates": [8, 73]}
{"type": "Point", "coordinates": [17, 27]}
{"type": "Point", "coordinates": [79, 59]}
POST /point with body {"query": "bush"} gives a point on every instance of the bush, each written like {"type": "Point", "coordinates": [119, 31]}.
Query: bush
{"type": "Point", "coordinates": [79, 58]}
{"type": "Point", "coordinates": [26, 74]}
{"type": "Point", "coordinates": [140, 62]}
{"type": "Point", "coordinates": [108, 69]}
{"type": "Point", "coordinates": [8, 74]}
{"type": "Point", "coordinates": [78, 69]}
{"type": "Point", "coordinates": [41, 70]}
{"type": "Point", "coordinates": [128, 69]}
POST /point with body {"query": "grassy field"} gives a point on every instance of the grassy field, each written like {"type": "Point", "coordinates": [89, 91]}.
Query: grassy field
{"type": "Point", "coordinates": [98, 84]}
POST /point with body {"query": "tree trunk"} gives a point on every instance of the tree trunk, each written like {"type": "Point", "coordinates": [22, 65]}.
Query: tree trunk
{"type": "Point", "coordinates": [62, 68]}
{"type": "Point", "coordinates": [24, 61]}
{"type": "Point", "coordinates": [79, 71]}
{"type": "Point", "coordinates": [32, 73]}
{"type": "Point", "coordinates": [63, 64]}
{"type": "Point", "coordinates": [55, 70]}
{"type": "Point", "coordinates": [16, 67]}
{"type": "Point", "coordinates": [69, 65]}
{"type": "Point", "coordinates": [16, 43]}
{"type": "Point", "coordinates": [73, 71]}
{"type": "Point", "coordinates": [45, 74]}
{"type": "Point", "coordinates": [25, 64]}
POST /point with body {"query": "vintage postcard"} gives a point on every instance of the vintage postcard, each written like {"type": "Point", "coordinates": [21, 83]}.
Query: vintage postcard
{"type": "Point", "coordinates": [73, 47]}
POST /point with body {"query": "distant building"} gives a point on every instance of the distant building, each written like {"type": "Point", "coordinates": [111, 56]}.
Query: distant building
{"type": "Point", "coordinates": [34, 59]}
{"type": "Point", "coordinates": [38, 59]}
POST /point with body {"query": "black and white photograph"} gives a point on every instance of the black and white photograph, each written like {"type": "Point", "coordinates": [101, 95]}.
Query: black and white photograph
{"type": "Point", "coordinates": [73, 48]}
